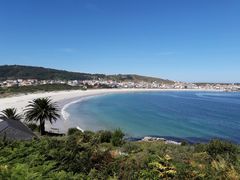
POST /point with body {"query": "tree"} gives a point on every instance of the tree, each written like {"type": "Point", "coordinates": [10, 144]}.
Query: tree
{"type": "Point", "coordinates": [11, 113]}
{"type": "Point", "coordinates": [40, 110]}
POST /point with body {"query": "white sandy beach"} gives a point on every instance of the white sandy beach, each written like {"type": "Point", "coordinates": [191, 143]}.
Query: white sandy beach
{"type": "Point", "coordinates": [64, 98]}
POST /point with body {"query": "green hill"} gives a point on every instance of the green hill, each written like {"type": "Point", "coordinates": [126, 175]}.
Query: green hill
{"type": "Point", "coordinates": [41, 73]}
{"type": "Point", "coordinates": [137, 78]}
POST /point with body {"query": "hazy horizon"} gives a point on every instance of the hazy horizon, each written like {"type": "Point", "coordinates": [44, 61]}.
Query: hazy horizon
{"type": "Point", "coordinates": [191, 41]}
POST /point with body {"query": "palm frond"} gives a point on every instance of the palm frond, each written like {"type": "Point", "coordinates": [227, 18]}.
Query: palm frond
{"type": "Point", "coordinates": [40, 110]}
{"type": "Point", "coordinates": [10, 113]}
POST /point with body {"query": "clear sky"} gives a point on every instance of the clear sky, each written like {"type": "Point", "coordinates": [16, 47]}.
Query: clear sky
{"type": "Point", "coordinates": [187, 40]}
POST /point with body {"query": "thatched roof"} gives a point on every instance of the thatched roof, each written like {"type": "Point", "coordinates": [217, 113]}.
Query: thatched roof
{"type": "Point", "coordinates": [15, 130]}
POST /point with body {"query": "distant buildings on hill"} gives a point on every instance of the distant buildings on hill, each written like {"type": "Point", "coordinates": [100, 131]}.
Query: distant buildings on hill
{"type": "Point", "coordinates": [124, 84]}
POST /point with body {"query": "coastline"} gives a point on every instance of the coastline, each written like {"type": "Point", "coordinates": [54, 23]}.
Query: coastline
{"type": "Point", "coordinates": [66, 98]}
{"type": "Point", "coordinates": [65, 115]}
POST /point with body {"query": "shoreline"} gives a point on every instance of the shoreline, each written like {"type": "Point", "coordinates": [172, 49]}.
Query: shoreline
{"type": "Point", "coordinates": [65, 115]}
{"type": "Point", "coordinates": [66, 98]}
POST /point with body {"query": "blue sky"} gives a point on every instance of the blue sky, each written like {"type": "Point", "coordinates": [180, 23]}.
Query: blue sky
{"type": "Point", "coordinates": [187, 40]}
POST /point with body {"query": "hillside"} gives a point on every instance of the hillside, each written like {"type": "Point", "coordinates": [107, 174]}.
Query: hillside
{"type": "Point", "coordinates": [41, 73]}
{"type": "Point", "coordinates": [137, 78]}
{"type": "Point", "coordinates": [105, 155]}
{"type": "Point", "coordinates": [30, 72]}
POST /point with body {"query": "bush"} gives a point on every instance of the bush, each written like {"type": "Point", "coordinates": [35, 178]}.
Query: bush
{"type": "Point", "coordinates": [131, 147]}
{"type": "Point", "coordinates": [72, 131]}
{"type": "Point", "coordinates": [222, 148]}
{"type": "Point", "coordinates": [33, 126]}
{"type": "Point", "coordinates": [117, 137]}
{"type": "Point", "coordinates": [184, 143]}
{"type": "Point", "coordinates": [159, 168]}
{"type": "Point", "coordinates": [77, 157]}
{"type": "Point", "coordinates": [105, 136]}
{"type": "Point", "coordinates": [88, 136]}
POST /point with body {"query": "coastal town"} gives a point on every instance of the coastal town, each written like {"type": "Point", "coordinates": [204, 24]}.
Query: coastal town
{"type": "Point", "coordinates": [101, 83]}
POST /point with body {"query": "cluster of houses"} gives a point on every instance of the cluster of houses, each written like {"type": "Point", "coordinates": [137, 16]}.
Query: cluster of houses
{"type": "Point", "coordinates": [28, 82]}
{"type": "Point", "coordinates": [101, 83]}
{"type": "Point", "coordinates": [224, 87]}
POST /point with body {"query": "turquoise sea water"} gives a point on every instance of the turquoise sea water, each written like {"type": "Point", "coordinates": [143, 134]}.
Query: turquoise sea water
{"type": "Point", "coordinates": [193, 116]}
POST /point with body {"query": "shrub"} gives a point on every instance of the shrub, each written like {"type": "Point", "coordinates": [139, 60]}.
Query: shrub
{"type": "Point", "coordinates": [33, 126]}
{"type": "Point", "coordinates": [184, 143]}
{"type": "Point", "coordinates": [117, 137]}
{"type": "Point", "coordinates": [77, 157]}
{"type": "Point", "coordinates": [105, 136]}
{"type": "Point", "coordinates": [131, 147]}
{"type": "Point", "coordinates": [222, 148]}
{"type": "Point", "coordinates": [72, 131]}
{"type": "Point", "coordinates": [159, 168]}
{"type": "Point", "coordinates": [88, 136]}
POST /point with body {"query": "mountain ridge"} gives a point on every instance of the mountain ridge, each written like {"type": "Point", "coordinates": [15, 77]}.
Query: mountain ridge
{"type": "Point", "coordinates": [8, 72]}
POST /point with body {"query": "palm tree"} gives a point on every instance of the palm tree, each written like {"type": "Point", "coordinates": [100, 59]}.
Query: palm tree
{"type": "Point", "coordinates": [40, 110]}
{"type": "Point", "coordinates": [10, 113]}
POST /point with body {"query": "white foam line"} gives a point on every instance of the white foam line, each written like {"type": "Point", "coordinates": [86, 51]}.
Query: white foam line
{"type": "Point", "coordinates": [66, 115]}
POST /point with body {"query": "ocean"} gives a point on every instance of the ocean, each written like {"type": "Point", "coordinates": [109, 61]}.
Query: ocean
{"type": "Point", "coordinates": [191, 116]}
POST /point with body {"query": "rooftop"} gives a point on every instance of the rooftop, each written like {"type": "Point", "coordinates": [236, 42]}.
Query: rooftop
{"type": "Point", "coordinates": [16, 130]}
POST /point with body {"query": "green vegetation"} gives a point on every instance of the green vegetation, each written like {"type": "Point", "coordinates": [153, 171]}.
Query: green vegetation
{"type": "Point", "coordinates": [32, 126]}
{"type": "Point", "coordinates": [137, 78]}
{"type": "Point", "coordinates": [88, 155]}
{"type": "Point", "coordinates": [40, 73]}
{"type": "Point", "coordinates": [10, 113]}
{"type": "Point", "coordinates": [38, 88]}
{"type": "Point", "coordinates": [72, 131]}
{"type": "Point", "coordinates": [116, 138]}
{"type": "Point", "coordinates": [41, 110]}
